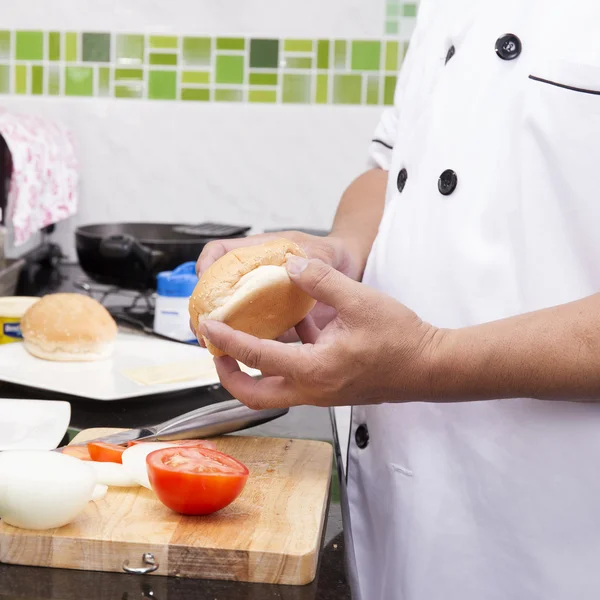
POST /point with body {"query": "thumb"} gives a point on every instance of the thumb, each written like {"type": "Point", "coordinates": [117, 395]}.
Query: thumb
{"type": "Point", "coordinates": [320, 281]}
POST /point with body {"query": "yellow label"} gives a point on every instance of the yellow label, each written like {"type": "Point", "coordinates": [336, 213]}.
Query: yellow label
{"type": "Point", "coordinates": [12, 308]}
{"type": "Point", "coordinates": [10, 330]}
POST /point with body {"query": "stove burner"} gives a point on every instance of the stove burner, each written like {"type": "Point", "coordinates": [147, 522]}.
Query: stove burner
{"type": "Point", "coordinates": [104, 292]}
{"type": "Point", "coordinates": [128, 307]}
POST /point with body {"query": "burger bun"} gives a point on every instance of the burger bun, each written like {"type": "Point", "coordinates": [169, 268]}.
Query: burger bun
{"type": "Point", "coordinates": [250, 290]}
{"type": "Point", "coordinates": [68, 328]}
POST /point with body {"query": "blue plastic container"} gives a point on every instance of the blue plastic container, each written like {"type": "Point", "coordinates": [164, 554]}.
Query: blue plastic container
{"type": "Point", "coordinates": [173, 291]}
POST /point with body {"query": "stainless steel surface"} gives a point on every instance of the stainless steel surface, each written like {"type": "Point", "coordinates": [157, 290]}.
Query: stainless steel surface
{"type": "Point", "coordinates": [9, 274]}
{"type": "Point", "coordinates": [349, 555]}
{"type": "Point", "coordinates": [2, 229]}
{"type": "Point", "coordinates": [208, 421]}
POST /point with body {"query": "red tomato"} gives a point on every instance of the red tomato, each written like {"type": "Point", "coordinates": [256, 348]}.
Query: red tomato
{"type": "Point", "coordinates": [190, 443]}
{"type": "Point", "coordinates": [195, 481]}
{"type": "Point", "coordinates": [80, 452]}
{"type": "Point", "coordinates": [101, 452]}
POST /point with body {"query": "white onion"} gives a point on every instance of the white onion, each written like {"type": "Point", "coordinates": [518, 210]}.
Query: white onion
{"type": "Point", "coordinates": [43, 489]}
{"type": "Point", "coordinates": [134, 460]}
{"type": "Point", "coordinates": [112, 474]}
{"type": "Point", "coordinates": [99, 491]}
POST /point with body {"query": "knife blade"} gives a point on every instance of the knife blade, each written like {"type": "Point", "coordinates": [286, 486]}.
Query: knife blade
{"type": "Point", "coordinates": [208, 421]}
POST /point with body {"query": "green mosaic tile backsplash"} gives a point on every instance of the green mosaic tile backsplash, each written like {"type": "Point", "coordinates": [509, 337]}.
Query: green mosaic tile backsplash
{"type": "Point", "coordinates": [202, 69]}
{"type": "Point", "coordinates": [400, 17]}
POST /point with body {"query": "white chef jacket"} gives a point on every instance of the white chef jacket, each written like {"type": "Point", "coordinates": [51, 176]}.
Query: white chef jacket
{"type": "Point", "coordinates": [492, 210]}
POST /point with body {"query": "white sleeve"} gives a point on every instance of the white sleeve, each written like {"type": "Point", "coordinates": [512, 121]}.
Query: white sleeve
{"type": "Point", "coordinates": [384, 138]}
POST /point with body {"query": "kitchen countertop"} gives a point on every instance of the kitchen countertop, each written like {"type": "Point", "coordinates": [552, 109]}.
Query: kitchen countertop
{"type": "Point", "coordinates": [30, 583]}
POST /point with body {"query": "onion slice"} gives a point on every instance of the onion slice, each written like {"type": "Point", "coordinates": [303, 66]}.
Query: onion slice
{"type": "Point", "coordinates": [112, 474]}
{"type": "Point", "coordinates": [134, 460]}
{"type": "Point", "coordinates": [99, 491]}
{"type": "Point", "coordinates": [43, 489]}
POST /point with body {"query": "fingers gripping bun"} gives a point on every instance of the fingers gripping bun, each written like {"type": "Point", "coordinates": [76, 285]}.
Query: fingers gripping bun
{"type": "Point", "coordinates": [249, 289]}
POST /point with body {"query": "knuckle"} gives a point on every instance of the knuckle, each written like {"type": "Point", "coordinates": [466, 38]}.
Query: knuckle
{"type": "Point", "coordinates": [253, 398]}
{"type": "Point", "coordinates": [207, 250]}
{"type": "Point", "coordinates": [355, 305]}
{"type": "Point", "coordinates": [303, 367]}
{"type": "Point", "coordinates": [324, 377]}
{"type": "Point", "coordinates": [326, 251]}
{"type": "Point", "coordinates": [334, 372]}
{"type": "Point", "coordinates": [354, 302]}
{"type": "Point", "coordinates": [322, 277]}
{"type": "Point", "coordinates": [211, 252]}
{"type": "Point", "coordinates": [251, 357]}
{"type": "Point", "coordinates": [254, 401]}
{"type": "Point", "coordinates": [301, 374]}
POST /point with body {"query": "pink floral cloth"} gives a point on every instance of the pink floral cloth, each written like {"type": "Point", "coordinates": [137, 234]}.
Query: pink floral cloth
{"type": "Point", "coordinates": [44, 184]}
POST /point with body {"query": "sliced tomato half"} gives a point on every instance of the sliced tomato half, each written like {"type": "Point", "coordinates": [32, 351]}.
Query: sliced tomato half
{"type": "Point", "coordinates": [188, 443]}
{"type": "Point", "coordinates": [102, 452]}
{"type": "Point", "coordinates": [194, 480]}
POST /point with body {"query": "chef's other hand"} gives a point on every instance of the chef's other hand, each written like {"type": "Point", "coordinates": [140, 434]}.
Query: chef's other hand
{"type": "Point", "coordinates": [331, 250]}
{"type": "Point", "coordinates": [374, 350]}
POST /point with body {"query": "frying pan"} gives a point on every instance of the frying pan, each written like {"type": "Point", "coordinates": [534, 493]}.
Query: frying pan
{"type": "Point", "coordinates": [130, 255]}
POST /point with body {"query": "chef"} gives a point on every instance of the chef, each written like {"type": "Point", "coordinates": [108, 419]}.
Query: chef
{"type": "Point", "coordinates": [471, 349]}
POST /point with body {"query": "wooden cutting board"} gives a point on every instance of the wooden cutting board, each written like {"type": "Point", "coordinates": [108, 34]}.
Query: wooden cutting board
{"type": "Point", "coordinates": [271, 534]}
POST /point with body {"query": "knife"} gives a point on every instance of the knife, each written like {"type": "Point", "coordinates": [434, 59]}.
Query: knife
{"type": "Point", "coordinates": [208, 421]}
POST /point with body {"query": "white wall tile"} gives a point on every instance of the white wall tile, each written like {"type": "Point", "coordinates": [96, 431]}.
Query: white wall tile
{"type": "Point", "coordinates": [262, 165]}
{"type": "Point", "coordinates": [304, 18]}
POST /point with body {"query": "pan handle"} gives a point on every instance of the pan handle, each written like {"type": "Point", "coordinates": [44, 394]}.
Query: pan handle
{"type": "Point", "coordinates": [124, 246]}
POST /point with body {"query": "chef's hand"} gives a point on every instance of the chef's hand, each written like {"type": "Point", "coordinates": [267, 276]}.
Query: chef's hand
{"type": "Point", "coordinates": [374, 350]}
{"type": "Point", "coordinates": [331, 250]}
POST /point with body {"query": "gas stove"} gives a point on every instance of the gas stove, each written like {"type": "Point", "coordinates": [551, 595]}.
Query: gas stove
{"type": "Point", "coordinates": [131, 308]}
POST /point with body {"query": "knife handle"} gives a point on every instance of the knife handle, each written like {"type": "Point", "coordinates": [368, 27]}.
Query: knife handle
{"type": "Point", "coordinates": [214, 420]}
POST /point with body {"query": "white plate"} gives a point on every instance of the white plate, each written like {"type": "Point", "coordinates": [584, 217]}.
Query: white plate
{"type": "Point", "coordinates": [106, 379]}
{"type": "Point", "coordinates": [33, 424]}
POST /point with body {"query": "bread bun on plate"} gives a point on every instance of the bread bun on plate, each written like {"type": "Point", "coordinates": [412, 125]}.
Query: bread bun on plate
{"type": "Point", "coordinates": [249, 289]}
{"type": "Point", "coordinates": [68, 327]}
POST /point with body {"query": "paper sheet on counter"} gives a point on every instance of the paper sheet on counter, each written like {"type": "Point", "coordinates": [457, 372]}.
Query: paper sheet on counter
{"type": "Point", "coordinates": [202, 369]}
